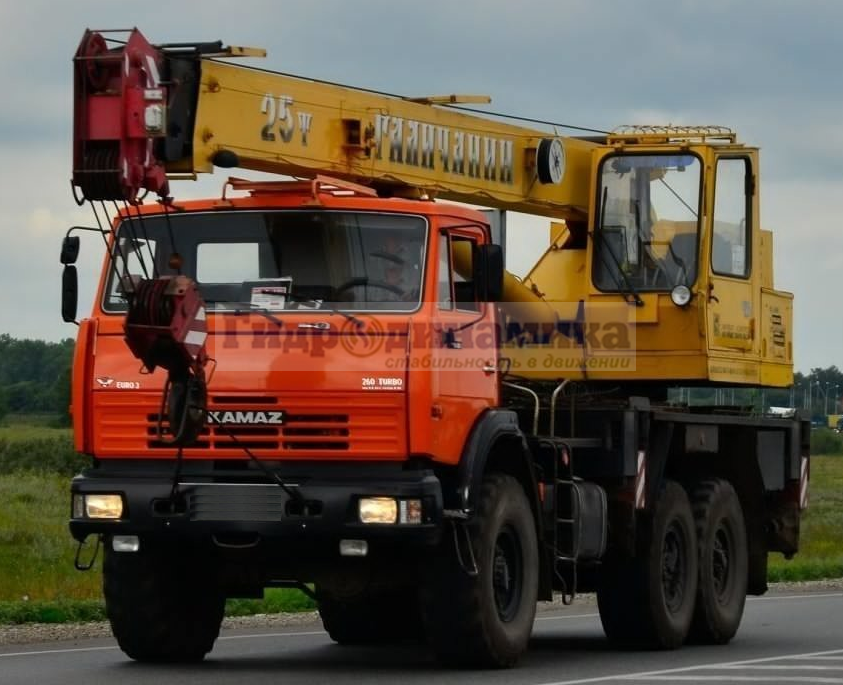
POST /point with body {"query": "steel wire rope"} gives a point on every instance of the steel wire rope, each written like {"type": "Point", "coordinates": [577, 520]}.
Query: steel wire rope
{"type": "Point", "coordinates": [404, 98]}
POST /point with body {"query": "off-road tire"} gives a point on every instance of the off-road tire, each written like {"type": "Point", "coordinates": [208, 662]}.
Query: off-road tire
{"type": "Point", "coordinates": [723, 562]}
{"type": "Point", "coordinates": [648, 602]}
{"type": "Point", "coordinates": [162, 608]}
{"type": "Point", "coordinates": [389, 616]}
{"type": "Point", "coordinates": [486, 620]}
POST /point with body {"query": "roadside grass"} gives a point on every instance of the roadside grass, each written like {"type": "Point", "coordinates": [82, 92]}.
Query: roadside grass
{"type": "Point", "coordinates": [21, 432]}
{"type": "Point", "coordinates": [821, 536]}
{"type": "Point", "coordinates": [22, 422]}
{"type": "Point", "coordinates": [38, 581]}
{"type": "Point", "coordinates": [36, 550]}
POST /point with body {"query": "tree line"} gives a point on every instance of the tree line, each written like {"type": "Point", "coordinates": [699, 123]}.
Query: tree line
{"type": "Point", "coordinates": [35, 376]}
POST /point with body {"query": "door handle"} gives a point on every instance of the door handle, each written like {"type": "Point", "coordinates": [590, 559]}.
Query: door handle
{"type": "Point", "coordinates": [489, 368]}
{"type": "Point", "coordinates": [711, 296]}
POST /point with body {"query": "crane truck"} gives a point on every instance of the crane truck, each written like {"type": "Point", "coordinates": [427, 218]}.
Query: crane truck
{"type": "Point", "coordinates": [329, 381]}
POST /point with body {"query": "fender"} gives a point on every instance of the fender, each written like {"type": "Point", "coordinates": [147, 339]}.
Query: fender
{"type": "Point", "coordinates": [493, 425]}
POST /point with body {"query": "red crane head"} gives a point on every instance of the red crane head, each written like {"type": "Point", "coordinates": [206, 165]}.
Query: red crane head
{"type": "Point", "coordinates": [120, 109]}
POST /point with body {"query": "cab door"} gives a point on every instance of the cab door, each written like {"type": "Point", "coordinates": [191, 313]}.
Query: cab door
{"type": "Point", "coordinates": [732, 302]}
{"type": "Point", "coordinates": [464, 344]}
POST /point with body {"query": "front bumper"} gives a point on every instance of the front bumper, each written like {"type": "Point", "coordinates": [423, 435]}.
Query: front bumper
{"type": "Point", "coordinates": [230, 510]}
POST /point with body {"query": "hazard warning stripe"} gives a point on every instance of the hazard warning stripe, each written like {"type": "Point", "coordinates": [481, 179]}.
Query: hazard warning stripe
{"type": "Point", "coordinates": [803, 484]}
{"type": "Point", "coordinates": [641, 482]}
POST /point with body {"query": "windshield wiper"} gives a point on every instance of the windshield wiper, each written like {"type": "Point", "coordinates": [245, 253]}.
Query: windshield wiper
{"type": "Point", "coordinates": [269, 314]}
{"type": "Point", "coordinates": [630, 289]}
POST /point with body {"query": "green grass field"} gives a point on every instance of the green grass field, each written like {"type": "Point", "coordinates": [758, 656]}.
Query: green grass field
{"type": "Point", "coordinates": [821, 536]}
{"type": "Point", "coordinates": [20, 432]}
{"type": "Point", "coordinates": [39, 583]}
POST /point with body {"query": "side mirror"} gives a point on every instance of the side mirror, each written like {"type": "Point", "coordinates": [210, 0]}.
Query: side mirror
{"type": "Point", "coordinates": [69, 249]}
{"type": "Point", "coordinates": [488, 272]}
{"type": "Point", "coordinates": [69, 293]}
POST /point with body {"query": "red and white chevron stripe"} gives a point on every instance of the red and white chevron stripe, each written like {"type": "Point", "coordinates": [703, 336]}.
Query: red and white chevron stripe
{"type": "Point", "coordinates": [803, 484]}
{"type": "Point", "coordinates": [196, 334]}
{"type": "Point", "coordinates": [641, 482]}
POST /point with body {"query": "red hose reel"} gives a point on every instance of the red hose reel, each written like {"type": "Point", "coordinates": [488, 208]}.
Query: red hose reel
{"type": "Point", "coordinates": [165, 326]}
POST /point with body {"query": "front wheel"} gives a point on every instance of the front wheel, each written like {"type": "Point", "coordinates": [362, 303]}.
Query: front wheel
{"type": "Point", "coordinates": [648, 601]}
{"type": "Point", "coordinates": [486, 620]}
{"type": "Point", "coordinates": [161, 604]}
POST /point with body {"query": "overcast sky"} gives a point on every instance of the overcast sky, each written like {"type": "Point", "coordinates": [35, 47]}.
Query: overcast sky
{"type": "Point", "coordinates": [770, 69]}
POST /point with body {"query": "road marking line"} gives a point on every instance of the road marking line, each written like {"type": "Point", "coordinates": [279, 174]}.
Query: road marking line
{"type": "Point", "coordinates": [59, 651]}
{"type": "Point", "coordinates": [739, 678]}
{"type": "Point", "coordinates": [776, 667]}
{"type": "Point", "coordinates": [673, 672]}
{"type": "Point", "coordinates": [246, 637]}
{"type": "Point", "coordinates": [71, 650]}
{"type": "Point", "coordinates": [809, 595]}
{"type": "Point", "coordinates": [565, 618]}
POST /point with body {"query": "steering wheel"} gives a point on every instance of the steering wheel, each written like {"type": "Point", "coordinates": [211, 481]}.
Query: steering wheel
{"type": "Point", "coordinates": [357, 282]}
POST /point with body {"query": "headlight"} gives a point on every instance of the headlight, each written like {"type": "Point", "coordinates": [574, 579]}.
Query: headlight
{"type": "Point", "coordinates": [103, 506]}
{"type": "Point", "coordinates": [378, 510]}
{"type": "Point", "coordinates": [680, 295]}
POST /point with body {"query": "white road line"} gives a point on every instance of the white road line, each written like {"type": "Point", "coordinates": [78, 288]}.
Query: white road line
{"type": "Point", "coordinates": [565, 618]}
{"type": "Point", "coordinates": [772, 598]}
{"type": "Point", "coordinates": [71, 650]}
{"type": "Point", "coordinates": [59, 651]}
{"type": "Point", "coordinates": [777, 667]}
{"type": "Point", "coordinates": [738, 678]}
{"type": "Point", "coordinates": [247, 637]}
{"type": "Point", "coordinates": [674, 672]}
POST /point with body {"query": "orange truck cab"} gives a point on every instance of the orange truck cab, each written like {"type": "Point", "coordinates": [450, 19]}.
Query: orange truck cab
{"type": "Point", "coordinates": [335, 329]}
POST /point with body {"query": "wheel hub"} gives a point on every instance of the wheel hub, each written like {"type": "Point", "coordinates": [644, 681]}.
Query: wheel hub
{"type": "Point", "coordinates": [674, 568]}
{"type": "Point", "coordinates": [507, 575]}
{"type": "Point", "coordinates": [720, 561]}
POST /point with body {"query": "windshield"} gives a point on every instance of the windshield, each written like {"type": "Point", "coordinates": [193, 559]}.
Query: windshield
{"type": "Point", "coordinates": [283, 260]}
{"type": "Point", "coordinates": [647, 230]}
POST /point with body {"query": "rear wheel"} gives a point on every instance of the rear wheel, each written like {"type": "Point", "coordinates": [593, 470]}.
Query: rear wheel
{"type": "Point", "coordinates": [648, 601]}
{"type": "Point", "coordinates": [486, 620]}
{"type": "Point", "coordinates": [161, 604]}
{"type": "Point", "coordinates": [723, 562]}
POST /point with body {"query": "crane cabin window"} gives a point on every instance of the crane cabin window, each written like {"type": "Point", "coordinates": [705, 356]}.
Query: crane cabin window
{"type": "Point", "coordinates": [646, 236]}
{"type": "Point", "coordinates": [280, 260]}
{"type": "Point", "coordinates": [730, 237]}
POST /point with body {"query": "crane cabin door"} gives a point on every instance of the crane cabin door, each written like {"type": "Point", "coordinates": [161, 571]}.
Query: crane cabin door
{"type": "Point", "coordinates": [732, 302]}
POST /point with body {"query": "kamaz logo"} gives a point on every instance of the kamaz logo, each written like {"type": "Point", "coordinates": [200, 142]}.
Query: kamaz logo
{"type": "Point", "coordinates": [273, 418]}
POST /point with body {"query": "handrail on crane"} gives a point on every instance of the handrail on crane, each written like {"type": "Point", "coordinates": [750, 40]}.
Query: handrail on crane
{"type": "Point", "coordinates": [317, 185]}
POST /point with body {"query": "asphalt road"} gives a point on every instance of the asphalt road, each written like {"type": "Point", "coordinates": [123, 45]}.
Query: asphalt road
{"type": "Point", "coordinates": [785, 638]}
